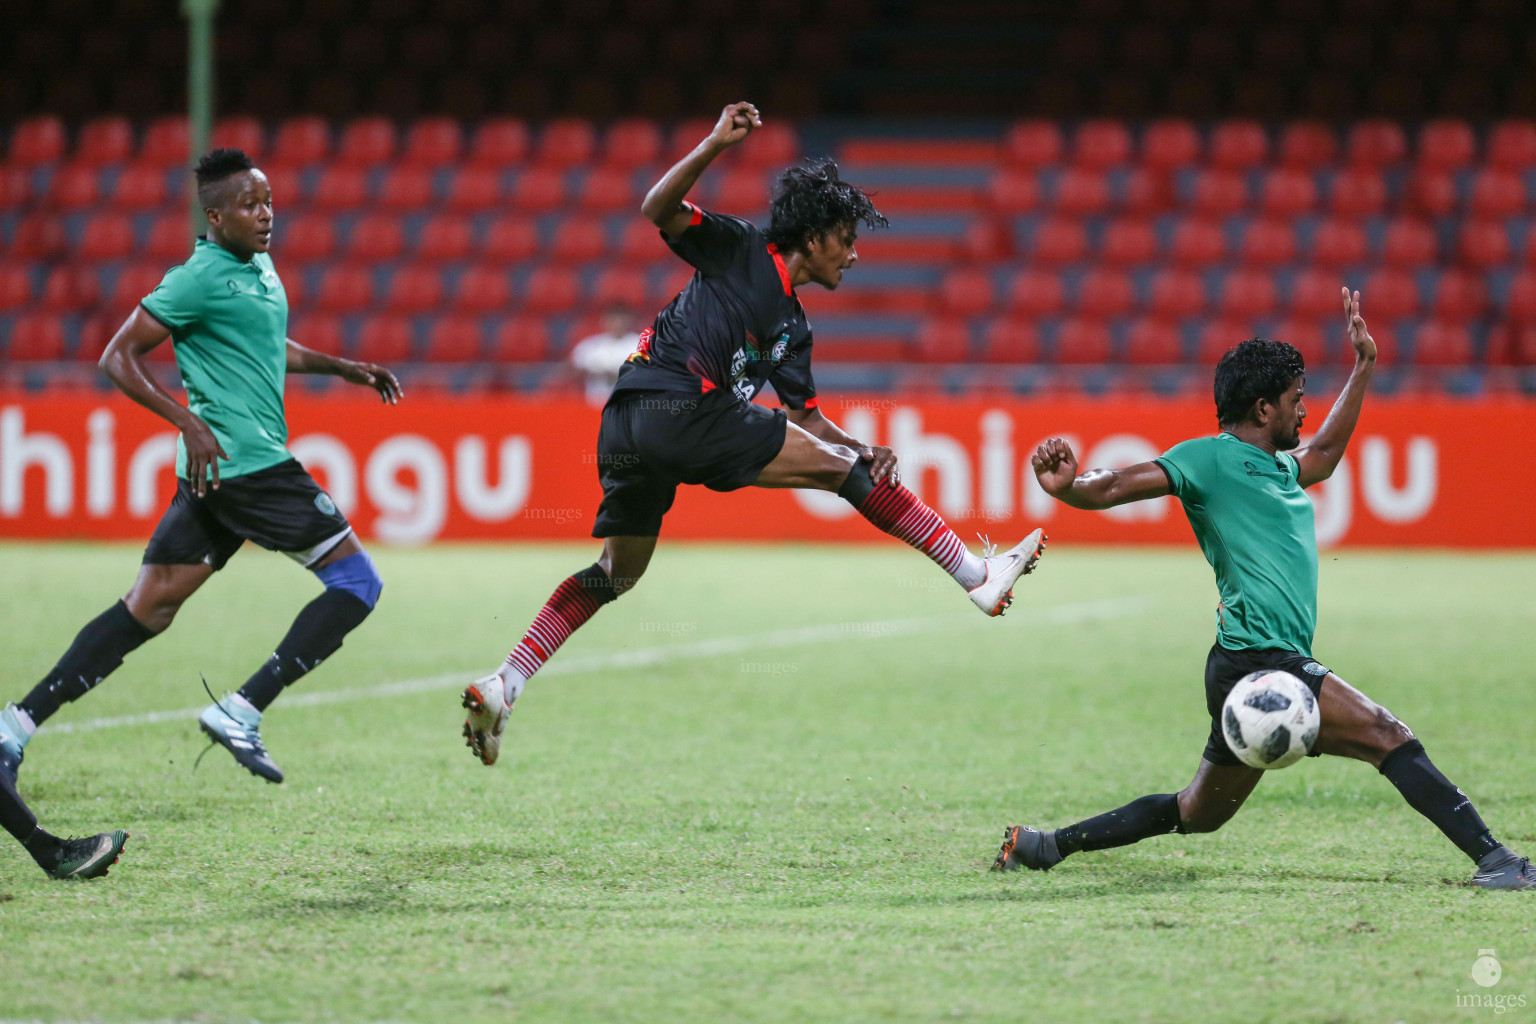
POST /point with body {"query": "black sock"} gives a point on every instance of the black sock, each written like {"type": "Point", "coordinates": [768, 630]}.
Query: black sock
{"type": "Point", "coordinates": [1432, 795]}
{"type": "Point", "coordinates": [1149, 816]}
{"type": "Point", "coordinates": [99, 647]}
{"type": "Point", "coordinates": [315, 635]}
{"type": "Point", "coordinates": [15, 817]}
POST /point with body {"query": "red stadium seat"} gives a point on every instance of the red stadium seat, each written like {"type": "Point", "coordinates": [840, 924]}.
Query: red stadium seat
{"type": "Point", "coordinates": [510, 240]}
{"type": "Point", "coordinates": [67, 289]}
{"type": "Point", "coordinates": [1170, 144]}
{"type": "Point", "coordinates": [384, 338]}
{"type": "Point", "coordinates": [1153, 343]}
{"type": "Point", "coordinates": [1496, 193]}
{"type": "Point", "coordinates": [538, 190]}
{"type": "Point", "coordinates": [1408, 243]}
{"type": "Point", "coordinates": [244, 133]}
{"type": "Point", "coordinates": [1512, 145]}
{"type": "Point", "coordinates": [1197, 243]}
{"type": "Point", "coordinates": [414, 289]}
{"type": "Point", "coordinates": [474, 188]}
{"type": "Point", "coordinates": [1521, 304]}
{"type": "Point", "coordinates": [1176, 294]}
{"type": "Point", "coordinates": [1446, 145]}
{"type": "Point", "coordinates": [1059, 241]}
{"type": "Point", "coordinates": [445, 238]}
{"type": "Point", "coordinates": [344, 288]}
{"type": "Point", "coordinates": [1315, 293]}
{"type": "Point", "coordinates": [432, 142]}
{"type": "Point", "coordinates": [1460, 295]}
{"type": "Point", "coordinates": [15, 187]}
{"type": "Point", "coordinates": [1101, 144]}
{"type": "Point", "coordinates": [104, 140]}
{"type": "Point", "coordinates": [1392, 294]}
{"type": "Point", "coordinates": [551, 290]}
{"type": "Point", "coordinates": [311, 237]}
{"type": "Point", "coordinates": [1082, 343]}
{"type": "Point", "coordinates": [375, 240]}
{"type": "Point", "coordinates": [1144, 191]}
{"type": "Point", "coordinates": [1437, 343]}
{"type": "Point", "coordinates": [1081, 191]}
{"type": "Point", "coordinates": [1032, 144]}
{"type": "Point", "coordinates": [607, 190]}
{"type": "Point", "coordinates": [73, 187]}
{"type": "Point", "coordinates": [565, 142]}
{"type": "Point", "coordinates": [984, 241]}
{"type": "Point", "coordinates": [15, 286]}
{"type": "Point", "coordinates": [1357, 193]}
{"type": "Point", "coordinates": [1306, 336]}
{"type": "Point", "coordinates": [483, 289]}
{"type": "Point", "coordinates": [167, 143]}
{"type": "Point", "coordinates": [1238, 145]}
{"type": "Point", "coordinates": [288, 186]}
{"type": "Point", "coordinates": [1338, 243]}
{"type": "Point", "coordinates": [966, 292]}
{"type": "Point", "coordinates": [340, 188]}
{"type": "Point", "coordinates": [1036, 293]}
{"type": "Point", "coordinates": [579, 240]}
{"type": "Point", "coordinates": [320, 332]}
{"type": "Point", "coordinates": [1011, 341]}
{"type": "Point", "coordinates": [1013, 191]}
{"type": "Point", "coordinates": [1522, 345]}
{"type": "Point", "coordinates": [744, 190]}
{"type": "Point", "coordinates": [942, 340]}
{"type": "Point", "coordinates": [1103, 293]}
{"type": "Point", "coordinates": [36, 338]}
{"type": "Point", "coordinates": [686, 135]}
{"type": "Point", "coordinates": [1308, 144]}
{"type": "Point", "coordinates": [301, 140]}
{"type": "Point", "coordinates": [1220, 193]}
{"type": "Point", "coordinates": [1287, 192]}
{"type": "Point", "coordinates": [632, 143]}
{"type": "Point", "coordinates": [1248, 294]}
{"type": "Point", "coordinates": [366, 141]}
{"type": "Point", "coordinates": [1128, 242]}
{"type": "Point", "coordinates": [1218, 336]}
{"type": "Point", "coordinates": [95, 332]}
{"type": "Point", "coordinates": [170, 240]}
{"type": "Point", "coordinates": [620, 286]}
{"type": "Point", "coordinates": [405, 188]}
{"type": "Point", "coordinates": [774, 145]}
{"type": "Point", "coordinates": [132, 284]}
{"type": "Point", "coordinates": [139, 187]}
{"type": "Point", "coordinates": [1267, 243]}
{"type": "Point", "coordinates": [37, 140]}
{"type": "Point", "coordinates": [39, 237]}
{"type": "Point", "coordinates": [453, 339]}
{"type": "Point", "coordinates": [1430, 192]}
{"type": "Point", "coordinates": [521, 340]}
{"type": "Point", "coordinates": [500, 142]}
{"type": "Point", "coordinates": [1376, 143]}
{"type": "Point", "coordinates": [106, 238]}
{"type": "Point", "coordinates": [640, 242]}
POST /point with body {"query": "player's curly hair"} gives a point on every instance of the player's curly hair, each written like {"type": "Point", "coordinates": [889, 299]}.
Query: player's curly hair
{"type": "Point", "coordinates": [810, 200]}
{"type": "Point", "coordinates": [1254, 369]}
{"type": "Point", "coordinates": [215, 166]}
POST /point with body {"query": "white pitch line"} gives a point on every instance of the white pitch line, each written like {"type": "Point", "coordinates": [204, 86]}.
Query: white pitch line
{"type": "Point", "coordinates": [1066, 614]}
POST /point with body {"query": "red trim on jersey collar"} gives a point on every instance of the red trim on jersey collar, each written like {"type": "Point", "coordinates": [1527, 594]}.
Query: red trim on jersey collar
{"type": "Point", "coordinates": [778, 262]}
{"type": "Point", "coordinates": [812, 402]}
{"type": "Point", "coordinates": [698, 214]}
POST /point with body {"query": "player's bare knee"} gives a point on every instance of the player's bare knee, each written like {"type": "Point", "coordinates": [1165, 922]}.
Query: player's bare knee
{"type": "Point", "coordinates": [1388, 731]}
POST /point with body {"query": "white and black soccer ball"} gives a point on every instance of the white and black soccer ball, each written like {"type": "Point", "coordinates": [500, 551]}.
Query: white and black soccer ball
{"type": "Point", "coordinates": [1270, 719]}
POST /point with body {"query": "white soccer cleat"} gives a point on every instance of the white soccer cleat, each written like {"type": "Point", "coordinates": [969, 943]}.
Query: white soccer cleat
{"type": "Point", "coordinates": [488, 707]}
{"type": "Point", "coordinates": [1003, 571]}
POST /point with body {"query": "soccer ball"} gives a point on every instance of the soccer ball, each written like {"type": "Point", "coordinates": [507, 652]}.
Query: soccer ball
{"type": "Point", "coordinates": [1270, 719]}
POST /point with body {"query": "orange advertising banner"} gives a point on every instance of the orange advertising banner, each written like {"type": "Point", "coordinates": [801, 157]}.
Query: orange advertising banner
{"type": "Point", "coordinates": [1420, 472]}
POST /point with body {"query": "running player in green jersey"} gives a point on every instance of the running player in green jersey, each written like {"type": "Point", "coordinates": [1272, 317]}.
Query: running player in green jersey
{"type": "Point", "coordinates": [1243, 493]}
{"type": "Point", "coordinates": [226, 312]}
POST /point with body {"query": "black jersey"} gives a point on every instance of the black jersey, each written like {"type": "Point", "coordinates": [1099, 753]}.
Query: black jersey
{"type": "Point", "coordinates": [736, 325]}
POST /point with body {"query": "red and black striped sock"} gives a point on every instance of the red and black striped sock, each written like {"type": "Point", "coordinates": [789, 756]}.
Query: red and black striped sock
{"type": "Point", "coordinates": [572, 604]}
{"type": "Point", "coordinates": [900, 513]}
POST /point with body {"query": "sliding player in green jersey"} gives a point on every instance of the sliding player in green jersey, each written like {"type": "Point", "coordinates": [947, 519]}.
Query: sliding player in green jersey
{"type": "Point", "coordinates": [1243, 492]}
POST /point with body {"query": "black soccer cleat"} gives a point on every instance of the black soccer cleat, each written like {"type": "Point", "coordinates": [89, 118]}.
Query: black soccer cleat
{"type": "Point", "coordinates": [89, 857]}
{"type": "Point", "coordinates": [1505, 869]}
{"type": "Point", "coordinates": [1027, 847]}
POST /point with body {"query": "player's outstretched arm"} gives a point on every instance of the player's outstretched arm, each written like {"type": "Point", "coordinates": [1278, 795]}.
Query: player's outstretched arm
{"type": "Point", "coordinates": [307, 360]}
{"type": "Point", "coordinates": [882, 459]}
{"type": "Point", "coordinates": [123, 362]}
{"type": "Point", "coordinates": [1056, 469]}
{"type": "Point", "coordinates": [663, 205]}
{"type": "Point", "coordinates": [1318, 461]}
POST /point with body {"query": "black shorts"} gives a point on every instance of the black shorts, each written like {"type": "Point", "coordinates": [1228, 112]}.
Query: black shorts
{"type": "Point", "coordinates": [1223, 668]}
{"type": "Point", "coordinates": [651, 441]}
{"type": "Point", "coordinates": [280, 507]}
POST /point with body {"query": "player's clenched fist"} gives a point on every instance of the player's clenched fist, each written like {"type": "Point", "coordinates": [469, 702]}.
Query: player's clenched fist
{"type": "Point", "coordinates": [1055, 465]}
{"type": "Point", "coordinates": [736, 122]}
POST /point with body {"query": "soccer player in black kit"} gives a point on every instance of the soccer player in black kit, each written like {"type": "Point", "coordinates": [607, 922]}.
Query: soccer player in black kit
{"type": "Point", "coordinates": [682, 412]}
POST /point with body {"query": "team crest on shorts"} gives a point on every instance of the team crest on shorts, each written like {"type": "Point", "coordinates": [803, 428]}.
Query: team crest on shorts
{"type": "Point", "coordinates": [324, 503]}
{"type": "Point", "coordinates": [1313, 668]}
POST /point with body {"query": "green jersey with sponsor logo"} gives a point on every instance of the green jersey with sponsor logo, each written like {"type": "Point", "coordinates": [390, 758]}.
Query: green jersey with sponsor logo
{"type": "Point", "coordinates": [1254, 523]}
{"type": "Point", "coordinates": [229, 323]}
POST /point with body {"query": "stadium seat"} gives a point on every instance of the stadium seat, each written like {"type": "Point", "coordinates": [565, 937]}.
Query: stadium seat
{"type": "Point", "coordinates": [520, 340]}
{"type": "Point", "coordinates": [474, 188]}
{"type": "Point", "coordinates": [1338, 243]}
{"type": "Point", "coordinates": [340, 188]}
{"type": "Point", "coordinates": [607, 190]}
{"type": "Point", "coordinates": [579, 240]}
{"type": "Point", "coordinates": [1081, 192]}
{"type": "Point", "coordinates": [631, 143]}
{"type": "Point", "coordinates": [1446, 145]}
{"type": "Point", "coordinates": [499, 142]}
{"type": "Point", "coordinates": [510, 240]}
{"type": "Point", "coordinates": [1082, 342]}
{"type": "Point", "coordinates": [1392, 294]}
{"type": "Point", "coordinates": [1267, 243]}
{"type": "Point", "coordinates": [1036, 293]}
{"type": "Point", "coordinates": [453, 339]}
{"type": "Point", "coordinates": [37, 140]}
{"type": "Point", "coordinates": [15, 286]}
{"type": "Point", "coordinates": [1307, 336]}
{"type": "Point", "coordinates": [1438, 343]}
{"type": "Point", "coordinates": [1033, 144]}
{"type": "Point", "coordinates": [311, 237]}
{"type": "Point", "coordinates": [170, 239]}
{"type": "Point", "coordinates": [1217, 336]}
{"type": "Point", "coordinates": [482, 288]}
{"type": "Point", "coordinates": [68, 288]}
{"type": "Point", "coordinates": [374, 239]}
{"type": "Point", "coordinates": [94, 333]}
{"type": "Point", "coordinates": [620, 286]}
{"type": "Point", "coordinates": [167, 143]}
{"type": "Point", "coordinates": [1496, 193]}
{"type": "Point", "coordinates": [15, 188]}
{"type": "Point", "coordinates": [366, 141]}
{"type": "Point", "coordinates": [1460, 295]}
{"type": "Point", "coordinates": [445, 238]}
{"type": "Point", "coordinates": [1238, 145]}
{"type": "Point", "coordinates": [1153, 343]}
{"type": "Point", "coordinates": [73, 187]}
{"type": "Point", "coordinates": [1196, 243]}
{"type": "Point", "coordinates": [641, 242]}
{"type": "Point", "coordinates": [1408, 243]}
{"type": "Point", "coordinates": [941, 340]}
{"type": "Point", "coordinates": [1010, 341]}
{"type": "Point", "coordinates": [684, 136]}
{"type": "Point", "coordinates": [1143, 191]}
{"type": "Point", "coordinates": [413, 288]}
{"type": "Point", "coordinates": [551, 290]}
{"type": "Point", "coordinates": [39, 236]}
{"type": "Point", "coordinates": [106, 238]}
{"type": "Point", "coordinates": [243, 133]}
{"type": "Point", "coordinates": [104, 140]}
{"type": "Point", "coordinates": [1176, 294]}
{"type": "Point", "coordinates": [1315, 293]}
{"type": "Point", "coordinates": [1512, 145]}
{"type": "Point", "coordinates": [1013, 191]}
{"type": "Point", "coordinates": [775, 144]}
{"type": "Point", "coordinates": [432, 142]}
{"type": "Point", "coordinates": [1101, 143]}
{"type": "Point", "coordinates": [1248, 295]}
{"type": "Point", "coordinates": [1287, 192]}
{"type": "Point", "coordinates": [140, 186]}
{"type": "Point", "coordinates": [323, 333]}
{"type": "Point", "coordinates": [1169, 145]}
{"type": "Point", "coordinates": [1430, 192]}
{"type": "Point", "coordinates": [1482, 243]}
{"type": "Point", "coordinates": [405, 188]}
{"type": "Point", "coordinates": [565, 142]}
{"type": "Point", "coordinates": [385, 338]}
{"type": "Point", "coordinates": [984, 241]}
{"type": "Point", "coordinates": [300, 141]}
{"type": "Point", "coordinates": [344, 289]}
{"type": "Point", "coordinates": [1375, 143]}
{"type": "Point", "coordinates": [965, 292]}
{"type": "Point", "coordinates": [1521, 301]}
{"type": "Point", "coordinates": [1308, 145]}
{"type": "Point", "coordinates": [1128, 242]}
{"type": "Point", "coordinates": [538, 190]}
{"type": "Point", "coordinates": [288, 186]}
{"type": "Point", "coordinates": [134, 281]}
{"type": "Point", "coordinates": [1357, 193]}
{"type": "Point", "coordinates": [36, 338]}
{"type": "Point", "coordinates": [744, 191]}
{"type": "Point", "coordinates": [1058, 241]}
{"type": "Point", "coordinates": [1219, 193]}
{"type": "Point", "coordinates": [1104, 293]}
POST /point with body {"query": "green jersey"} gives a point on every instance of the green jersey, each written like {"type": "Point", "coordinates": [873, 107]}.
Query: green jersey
{"type": "Point", "coordinates": [229, 322]}
{"type": "Point", "coordinates": [1254, 523]}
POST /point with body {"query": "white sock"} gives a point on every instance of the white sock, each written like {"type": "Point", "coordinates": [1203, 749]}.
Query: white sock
{"type": "Point", "coordinates": [512, 681]}
{"type": "Point", "coordinates": [28, 727]}
{"type": "Point", "coordinates": [972, 570]}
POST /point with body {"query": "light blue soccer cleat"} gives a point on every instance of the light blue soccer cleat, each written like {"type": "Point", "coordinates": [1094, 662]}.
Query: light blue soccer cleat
{"type": "Point", "coordinates": [236, 727]}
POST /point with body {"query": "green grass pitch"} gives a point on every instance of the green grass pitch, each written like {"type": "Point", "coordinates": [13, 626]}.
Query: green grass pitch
{"type": "Point", "coordinates": [764, 787]}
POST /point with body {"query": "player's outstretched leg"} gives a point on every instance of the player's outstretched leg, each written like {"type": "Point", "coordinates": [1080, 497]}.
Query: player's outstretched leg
{"type": "Point", "coordinates": [352, 589]}
{"type": "Point", "coordinates": [89, 857]}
